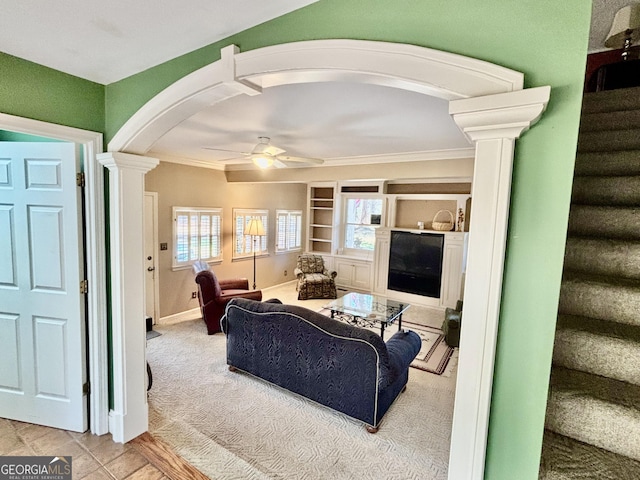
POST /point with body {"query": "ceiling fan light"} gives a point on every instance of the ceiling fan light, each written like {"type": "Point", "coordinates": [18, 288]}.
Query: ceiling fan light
{"type": "Point", "coordinates": [262, 161]}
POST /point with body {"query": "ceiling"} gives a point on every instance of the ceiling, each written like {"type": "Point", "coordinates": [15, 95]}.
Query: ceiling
{"type": "Point", "coordinates": [338, 122]}
{"type": "Point", "coordinates": [106, 41]}
{"type": "Point", "coordinates": [342, 123]}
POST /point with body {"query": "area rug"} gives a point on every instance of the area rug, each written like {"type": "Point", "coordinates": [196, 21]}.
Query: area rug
{"type": "Point", "coordinates": [435, 356]}
{"type": "Point", "coordinates": [235, 426]}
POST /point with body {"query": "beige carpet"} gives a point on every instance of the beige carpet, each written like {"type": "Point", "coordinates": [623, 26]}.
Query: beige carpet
{"type": "Point", "coordinates": [233, 426]}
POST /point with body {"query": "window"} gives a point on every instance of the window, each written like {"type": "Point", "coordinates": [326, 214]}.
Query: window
{"type": "Point", "coordinates": [243, 242]}
{"type": "Point", "coordinates": [362, 217]}
{"type": "Point", "coordinates": [197, 235]}
{"type": "Point", "coordinates": [288, 230]}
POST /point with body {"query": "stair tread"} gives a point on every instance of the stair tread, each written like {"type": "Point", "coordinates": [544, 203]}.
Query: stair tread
{"type": "Point", "coordinates": [598, 326]}
{"type": "Point", "coordinates": [590, 386]}
{"type": "Point", "coordinates": [609, 120]}
{"type": "Point", "coordinates": [610, 190]}
{"type": "Point", "coordinates": [611, 100]}
{"type": "Point", "coordinates": [608, 298]}
{"type": "Point", "coordinates": [619, 162]}
{"type": "Point", "coordinates": [564, 458]}
{"type": "Point", "coordinates": [606, 280]}
{"type": "Point", "coordinates": [599, 141]}
{"type": "Point", "coordinates": [603, 256]}
{"type": "Point", "coordinates": [609, 222]}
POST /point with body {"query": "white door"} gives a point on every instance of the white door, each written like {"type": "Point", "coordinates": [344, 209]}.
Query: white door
{"type": "Point", "coordinates": [42, 309]}
{"type": "Point", "coordinates": [150, 254]}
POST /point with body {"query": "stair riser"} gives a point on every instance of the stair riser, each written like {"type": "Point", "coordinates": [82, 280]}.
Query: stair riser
{"type": "Point", "coordinates": [625, 162]}
{"type": "Point", "coordinates": [612, 100]}
{"type": "Point", "coordinates": [598, 354]}
{"type": "Point", "coordinates": [605, 141]}
{"type": "Point", "coordinates": [607, 121]}
{"type": "Point", "coordinates": [602, 257]}
{"type": "Point", "coordinates": [606, 191]}
{"type": "Point", "coordinates": [605, 222]}
{"type": "Point", "coordinates": [606, 302]}
{"type": "Point", "coordinates": [596, 422]}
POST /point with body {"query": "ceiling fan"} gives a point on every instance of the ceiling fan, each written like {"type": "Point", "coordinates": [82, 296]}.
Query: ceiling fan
{"type": "Point", "coordinates": [265, 155]}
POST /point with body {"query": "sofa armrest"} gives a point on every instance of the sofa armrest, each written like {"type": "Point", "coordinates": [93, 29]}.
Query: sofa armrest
{"type": "Point", "coordinates": [451, 319]}
{"type": "Point", "coordinates": [234, 284]}
{"type": "Point", "coordinates": [297, 272]}
{"type": "Point", "coordinates": [402, 348]}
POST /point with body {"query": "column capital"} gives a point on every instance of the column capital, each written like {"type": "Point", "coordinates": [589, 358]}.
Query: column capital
{"type": "Point", "coordinates": [119, 160]}
{"type": "Point", "coordinates": [503, 115]}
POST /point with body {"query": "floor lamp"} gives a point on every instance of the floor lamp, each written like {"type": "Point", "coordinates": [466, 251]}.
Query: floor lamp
{"type": "Point", "coordinates": [255, 228]}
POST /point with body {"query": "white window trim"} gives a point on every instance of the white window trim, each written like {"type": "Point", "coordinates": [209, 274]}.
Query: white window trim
{"type": "Point", "coordinates": [357, 252]}
{"type": "Point", "coordinates": [287, 248]}
{"type": "Point", "coordinates": [251, 212]}
{"type": "Point", "coordinates": [175, 265]}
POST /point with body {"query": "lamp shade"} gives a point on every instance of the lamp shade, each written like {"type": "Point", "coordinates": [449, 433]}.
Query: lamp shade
{"type": "Point", "coordinates": [625, 26]}
{"type": "Point", "coordinates": [255, 227]}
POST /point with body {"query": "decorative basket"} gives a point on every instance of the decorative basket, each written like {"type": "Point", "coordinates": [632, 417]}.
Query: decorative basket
{"type": "Point", "coordinates": [442, 226]}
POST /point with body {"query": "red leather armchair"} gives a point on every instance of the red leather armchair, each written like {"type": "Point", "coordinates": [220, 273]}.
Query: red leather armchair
{"type": "Point", "coordinates": [214, 295]}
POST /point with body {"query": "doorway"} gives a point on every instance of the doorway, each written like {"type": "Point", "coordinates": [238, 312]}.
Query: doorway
{"type": "Point", "coordinates": [89, 144]}
{"type": "Point", "coordinates": [487, 102]}
{"type": "Point", "coordinates": [151, 280]}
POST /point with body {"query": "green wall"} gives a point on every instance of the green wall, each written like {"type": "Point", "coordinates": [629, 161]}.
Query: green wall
{"type": "Point", "coordinates": [6, 136]}
{"type": "Point", "coordinates": [547, 41]}
{"type": "Point", "coordinates": [32, 91]}
{"type": "Point", "coordinates": [544, 39]}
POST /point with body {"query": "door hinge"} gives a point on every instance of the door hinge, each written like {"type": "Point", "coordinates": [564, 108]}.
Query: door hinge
{"type": "Point", "coordinates": [80, 179]}
{"type": "Point", "coordinates": [84, 287]}
{"type": "Point", "coordinates": [86, 388]}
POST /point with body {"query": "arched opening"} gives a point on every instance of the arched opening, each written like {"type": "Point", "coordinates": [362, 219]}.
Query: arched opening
{"type": "Point", "coordinates": [486, 101]}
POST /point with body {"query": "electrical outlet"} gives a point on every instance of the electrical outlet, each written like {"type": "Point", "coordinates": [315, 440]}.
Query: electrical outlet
{"type": "Point", "coordinates": [194, 294]}
{"type": "Point", "coordinates": [285, 273]}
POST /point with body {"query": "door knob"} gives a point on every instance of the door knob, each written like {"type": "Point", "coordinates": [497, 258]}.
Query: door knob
{"type": "Point", "coordinates": [151, 269]}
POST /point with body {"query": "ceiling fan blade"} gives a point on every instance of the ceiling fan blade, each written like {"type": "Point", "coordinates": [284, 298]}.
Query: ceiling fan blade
{"type": "Point", "coordinates": [309, 160]}
{"type": "Point", "coordinates": [273, 150]}
{"type": "Point", "coordinates": [232, 160]}
{"type": "Point", "coordinates": [223, 150]}
{"type": "Point", "coordinates": [279, 164]}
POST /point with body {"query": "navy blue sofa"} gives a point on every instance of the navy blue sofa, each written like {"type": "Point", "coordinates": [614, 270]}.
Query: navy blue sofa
{"type": "Point", "coordinates": [346, 368]}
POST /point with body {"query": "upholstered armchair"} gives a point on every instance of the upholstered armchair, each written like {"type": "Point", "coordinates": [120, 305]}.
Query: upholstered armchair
{"type": "Point", "coordinates": [314, 280]}
{"type": "Point", "coordinates": [451, 325]}
{"type": "Point", "coordinates": [214, 294]}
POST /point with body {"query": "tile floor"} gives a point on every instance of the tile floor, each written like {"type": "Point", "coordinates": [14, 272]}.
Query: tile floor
{"type": "Point", "coordinates": [93, 457]}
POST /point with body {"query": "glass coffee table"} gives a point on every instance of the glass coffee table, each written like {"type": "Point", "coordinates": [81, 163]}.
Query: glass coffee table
{"type": "Point", "coordinates": [365, 310]}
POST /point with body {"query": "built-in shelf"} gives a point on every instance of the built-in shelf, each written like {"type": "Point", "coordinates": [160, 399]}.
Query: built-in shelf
{"type": "Point", "coordinates": [320, 232]}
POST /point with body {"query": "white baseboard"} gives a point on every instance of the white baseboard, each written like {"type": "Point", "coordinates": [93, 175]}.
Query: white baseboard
{"type": "Point", "coordinates": [279, 285]}
{"type": "Point", "coordinates": [192, 314]}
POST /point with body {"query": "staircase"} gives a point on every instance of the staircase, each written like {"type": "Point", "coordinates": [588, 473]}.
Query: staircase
{"type": "Point", "coordinates": [592, 427]}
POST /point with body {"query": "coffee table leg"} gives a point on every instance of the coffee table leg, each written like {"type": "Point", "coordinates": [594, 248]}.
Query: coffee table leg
{"type": "Point", "coordinates": [400, 318]}
{"type": "Point", "coordinates": [382, 330]}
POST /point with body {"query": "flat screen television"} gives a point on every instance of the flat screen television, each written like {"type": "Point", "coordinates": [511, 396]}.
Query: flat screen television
{"type": "Point", "coordinates": [415, 263]}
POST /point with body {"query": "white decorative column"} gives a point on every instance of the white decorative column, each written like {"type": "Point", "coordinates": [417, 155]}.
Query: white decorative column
{"type": "Point", "coordinates": [493, 123]}
{"type": "Point", "coordinates": [129, 416]}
